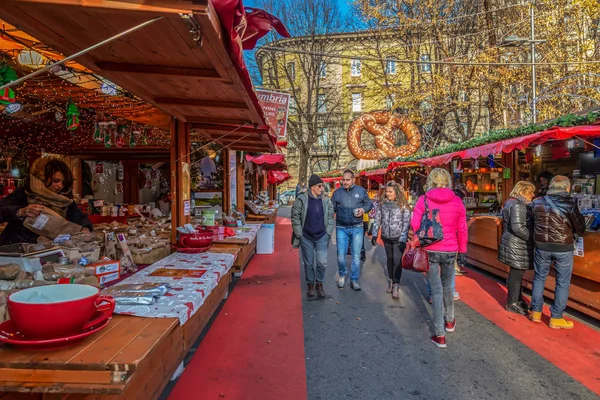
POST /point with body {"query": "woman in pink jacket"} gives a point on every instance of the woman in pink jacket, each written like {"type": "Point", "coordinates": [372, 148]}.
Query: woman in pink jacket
{"type": "Point", "coordinates": [442, 255]}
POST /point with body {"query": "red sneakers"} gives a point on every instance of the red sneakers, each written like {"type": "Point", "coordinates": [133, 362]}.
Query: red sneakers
{"type": "Point", "coordinates": [450, 326]}
{"type": "Point", "coordinates": [439, 341]}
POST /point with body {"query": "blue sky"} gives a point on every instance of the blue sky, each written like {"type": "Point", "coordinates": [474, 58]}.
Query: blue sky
{"type": "Point", "coordinates": [342, 3]}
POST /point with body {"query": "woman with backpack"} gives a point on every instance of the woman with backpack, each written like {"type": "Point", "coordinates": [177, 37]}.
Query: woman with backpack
{"type": "Point", "coordinates": [393, 217]}
{"type": "Point", "coordinates": [441, 206]}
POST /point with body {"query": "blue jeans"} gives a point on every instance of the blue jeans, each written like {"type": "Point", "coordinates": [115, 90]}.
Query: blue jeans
{"type": "Point", "coordinates": [563, 264]}
{"type": "Point", "coordinates": [314, 251]}
{"type": "Point", "coordinates": [353, 237]}
{"type": "Point", "coordinates": [453, 285]}
{"type": "Point", "coordinates": [441, 277]}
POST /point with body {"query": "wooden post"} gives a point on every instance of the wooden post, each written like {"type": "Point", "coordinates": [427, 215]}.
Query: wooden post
{"type": "Point", "coordinates": [131, 189]}
{"type": "Point", "coordinates": [241, 182]}
{"type": "Point", "coordinates": [509, 160]}
{"type": "Point", "coordinates": [180, 176]}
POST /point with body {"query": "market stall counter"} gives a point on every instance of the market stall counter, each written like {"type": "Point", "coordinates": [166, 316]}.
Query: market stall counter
{"type": "Point", "coordinates": [584, 294]}
{"type": "Point", "coordinates": [244, 241]}
{"type": "Point", "coordinates": [140, 350]}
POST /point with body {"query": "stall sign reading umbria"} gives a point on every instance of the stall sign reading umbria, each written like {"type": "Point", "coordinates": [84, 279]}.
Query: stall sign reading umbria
{"type": "Point", "coordinates": [275, 107]}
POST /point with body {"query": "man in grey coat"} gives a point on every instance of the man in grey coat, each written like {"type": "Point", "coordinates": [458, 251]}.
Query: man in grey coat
{"type": "Point", "coordinates": [312, 222]}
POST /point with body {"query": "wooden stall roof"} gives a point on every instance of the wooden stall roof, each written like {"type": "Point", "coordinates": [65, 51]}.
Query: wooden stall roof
{"type": "Point", "coordinates": [179, 64]}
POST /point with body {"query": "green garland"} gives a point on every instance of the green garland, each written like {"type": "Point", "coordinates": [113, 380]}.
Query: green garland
{"type": "Point", "coordinates": [502, 134]}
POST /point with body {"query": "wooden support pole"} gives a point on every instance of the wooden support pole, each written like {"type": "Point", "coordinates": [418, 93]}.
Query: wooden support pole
{"type": "Point", "coordinates": [241, 182]}
{"type": "Point", "coordinates": [131, 189]}
{"type": "Point", "coordinates": [180, 176]}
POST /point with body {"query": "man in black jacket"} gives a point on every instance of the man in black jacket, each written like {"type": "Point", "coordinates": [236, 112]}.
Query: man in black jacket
{"type": "Point", "coordinates": [557, 222]}
{"type": "Point", "coordinates": [350, 203]}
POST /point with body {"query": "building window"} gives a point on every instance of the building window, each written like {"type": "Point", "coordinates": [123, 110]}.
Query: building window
{"type": "Point", "coordinates": [355, 66]}
{"type": "Point", "coordinates": [323, 70]}
{"type": "Point", "coordinates": [322, 104]}
{"type": "Point", "coordinates": [389, 101]}
{"type": "Point", "coordinates": [390, 66]}
{"type": "Point", "coordinates": [356, 102]}
{"type": "Point", "coordinates": [323, 139]}
{"type": "Point", "coordinates": [291, 70]}
{"type": "Point", "coordinates": [465, 128]}
{"type": "Point", "coordinates": [462, 96]}
{"type": "Point", "coordinates": [293, 106]}
{"type": "Point", "coordinates": [425, 67]}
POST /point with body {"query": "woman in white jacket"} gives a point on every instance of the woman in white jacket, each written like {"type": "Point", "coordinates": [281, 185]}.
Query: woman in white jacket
{"type": "Point", "coordinates": [393, 217]}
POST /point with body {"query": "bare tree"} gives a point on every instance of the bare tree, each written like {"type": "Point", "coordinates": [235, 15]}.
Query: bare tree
{"type": "Point", "coordinates": [315, 95]}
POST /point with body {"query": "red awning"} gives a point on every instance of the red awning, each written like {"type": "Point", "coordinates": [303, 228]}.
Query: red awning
{"type": "Point", "coordinates": [243, 31]}
{"type": "Point", "coordinates": [395, 164]}
{"type": "Point", "coordinates": [271, 162]}
{"type": "Point", "coordinates": [518, 143]}
{"type": "Point", "coordinates": [329, 180]}
{"type": "Point", "coordinates": [277, 177]}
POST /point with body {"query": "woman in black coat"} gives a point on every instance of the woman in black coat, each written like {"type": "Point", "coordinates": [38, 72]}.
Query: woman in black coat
{"type": "Point", "coordinates": [516, 245]}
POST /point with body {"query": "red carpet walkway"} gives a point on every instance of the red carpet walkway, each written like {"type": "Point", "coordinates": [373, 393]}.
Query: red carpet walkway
{"type": "Point", "coordinates": [255, 347]}
{"type": "Point", "coordinates": [575, 351]}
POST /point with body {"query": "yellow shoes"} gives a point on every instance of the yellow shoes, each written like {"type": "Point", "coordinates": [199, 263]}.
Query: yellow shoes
{"type": "Point", "coordinates": [535, 316]}
{"type": "Point", "coordinates": [560, 323]}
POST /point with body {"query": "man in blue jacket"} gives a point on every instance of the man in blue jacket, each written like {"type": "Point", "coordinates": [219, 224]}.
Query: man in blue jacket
{"type": "Point", "coordinates": [350, 203]}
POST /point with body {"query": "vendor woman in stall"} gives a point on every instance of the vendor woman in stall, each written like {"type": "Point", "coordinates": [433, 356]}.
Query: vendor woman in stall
{"type": "Point", "coordinates": [49, 185]}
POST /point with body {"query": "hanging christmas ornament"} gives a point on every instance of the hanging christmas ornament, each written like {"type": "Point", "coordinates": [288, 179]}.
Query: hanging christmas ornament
{"type": "Point", "coordinates": [111, 132]}
{"type": "Point", "coordinates": [120, 137]}
{"type": "Point", "coordinates": [132, 137]}
{"type": "Point", "coordinates": [145, 136]}
{"type": "Point", "coordinates": [58, 116]}
{"type": "Point", "coordinates": [476, 167]}
{"type": "Point", "coordinates": [7, 74]}
{"type": "Point", "coordinates": [72, 114]}
{"type": "Point", "coordinates": [101, 132]}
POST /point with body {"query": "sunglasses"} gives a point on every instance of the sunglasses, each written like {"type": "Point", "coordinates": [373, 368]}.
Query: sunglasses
{"type": "Point", "coordinates": [320, 185]}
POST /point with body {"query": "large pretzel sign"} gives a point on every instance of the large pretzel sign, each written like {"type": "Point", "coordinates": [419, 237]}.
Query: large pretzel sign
{"type": "Point", "coordinates": [383, 125]}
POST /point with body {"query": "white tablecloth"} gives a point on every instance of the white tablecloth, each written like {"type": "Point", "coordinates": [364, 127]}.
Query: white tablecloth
{"type": "Point", "coordinates": [187, 294]}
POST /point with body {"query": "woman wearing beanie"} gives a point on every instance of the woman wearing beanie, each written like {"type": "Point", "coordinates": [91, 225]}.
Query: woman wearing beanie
{"type": "Point", "coordinates": [393, 217]}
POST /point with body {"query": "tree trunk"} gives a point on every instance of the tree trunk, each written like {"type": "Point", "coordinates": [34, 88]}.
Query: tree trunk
{"type": "Point", "coordinates": [303, 165]}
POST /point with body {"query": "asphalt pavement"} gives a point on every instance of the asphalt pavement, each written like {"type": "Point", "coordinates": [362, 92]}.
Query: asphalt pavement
{"type": "Point", "coordinates": [365, 345]}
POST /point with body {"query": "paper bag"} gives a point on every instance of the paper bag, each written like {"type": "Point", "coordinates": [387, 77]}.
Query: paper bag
{"type": "Point", "coordinates": [50, 224]}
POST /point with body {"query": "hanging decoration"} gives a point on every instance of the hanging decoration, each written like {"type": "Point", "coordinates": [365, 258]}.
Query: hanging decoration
{"type": "Point", "coordinates": [99, 168]}
{"type": "Point", "coordinates": [120, 136]}
{"type": "Point", "coordinates": [119, 187]}
{"type": "Point", "coordinates": [135, 132]}
{"type": "Point", "coordinates": [7, 95]}
{"type": "Point", "coordinates": [72, 114]}
{"type": "Point", "coordinates": [383, 125]}
{"type": "Point", "coordinates": [111, 132]}
{"type": "Point", "coordinates": [145, 136]}
{"type": "Point", "coordinates": [58, 116]}
{"type": "Point", "coordinates": [476, 164]}
{"type": "Point", "coordinates": [101, 132]}
{"type": "Point", "coordinates": [529, 156]}
{"type": "Point", "coordinates": [490, 161]}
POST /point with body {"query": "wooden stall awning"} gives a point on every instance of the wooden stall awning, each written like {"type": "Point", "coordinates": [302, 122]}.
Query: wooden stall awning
{"type": "Point", "coordinates": [517, 143]}
{"type": "Point", "coordinates": [180, 64]}
{"type": "Point", "coordinates": [270, 162]}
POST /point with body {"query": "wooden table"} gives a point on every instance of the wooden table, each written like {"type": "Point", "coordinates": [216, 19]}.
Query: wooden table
{"type": "Point", "coordinates": [246, 249]}
{"type": "Point", "coordinates": [584, 292]}
{"type": "Point", "coordinates": [133, 358]}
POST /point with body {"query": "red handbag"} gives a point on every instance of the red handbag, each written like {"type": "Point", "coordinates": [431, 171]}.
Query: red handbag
{"type": "Point", "coordinates": [415, 257]}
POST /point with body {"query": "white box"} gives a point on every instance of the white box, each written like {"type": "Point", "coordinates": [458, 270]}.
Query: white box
{"type": "Point", "coordinates": [265, 239]}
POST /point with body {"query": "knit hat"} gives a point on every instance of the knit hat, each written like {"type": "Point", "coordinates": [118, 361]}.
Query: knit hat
{"type": "Point", "coordinates": [314, 180]}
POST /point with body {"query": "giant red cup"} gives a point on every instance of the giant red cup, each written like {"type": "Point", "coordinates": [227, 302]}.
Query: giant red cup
{"type": "Point", "coordinates": [54, 311]}
{"type": "Point", "coordinates": [199, 239]}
